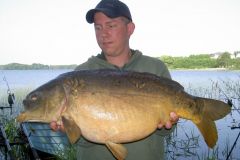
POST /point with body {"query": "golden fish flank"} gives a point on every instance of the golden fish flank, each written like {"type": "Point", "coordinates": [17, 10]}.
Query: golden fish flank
{"type": "Point", "coordinates": [113, 107]}
{"type": "Point", "coordinates": [100, 113]}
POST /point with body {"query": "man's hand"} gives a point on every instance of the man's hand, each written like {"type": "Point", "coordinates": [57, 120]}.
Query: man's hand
{"type": "Point", "coordinates": [168, 125]}
{"type": "Point", "coordinates": [56, 127]}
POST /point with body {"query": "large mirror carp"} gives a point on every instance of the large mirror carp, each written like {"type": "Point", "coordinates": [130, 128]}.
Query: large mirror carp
{"type": "Point", "coordinates": [113, 107]}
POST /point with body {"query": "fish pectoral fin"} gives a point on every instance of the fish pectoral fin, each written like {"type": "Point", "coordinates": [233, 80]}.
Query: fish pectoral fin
{"type": "Point", "coordinates": [118, 150]}
{"type": "Point", "coordinates": [72, 130]}
{"type": "Point", "coordinates": [208, 130]}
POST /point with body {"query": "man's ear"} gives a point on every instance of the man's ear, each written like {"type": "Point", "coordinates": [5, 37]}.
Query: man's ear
{"type": "Point", "coordinates": [131, 27]}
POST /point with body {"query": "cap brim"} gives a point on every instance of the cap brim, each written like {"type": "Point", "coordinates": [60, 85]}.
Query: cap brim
{"type": "Point", "coordinates": [90, 14]}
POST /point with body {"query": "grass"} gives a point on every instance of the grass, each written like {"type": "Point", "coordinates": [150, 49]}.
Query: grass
{"type": "Point", "coordinates": [12, 129]}
{"type": "Point", "coordinates": [68, 154]}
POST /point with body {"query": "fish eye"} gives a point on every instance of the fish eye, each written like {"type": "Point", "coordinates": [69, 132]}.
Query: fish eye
{"type": "Point", "coordinates": [34, 97]}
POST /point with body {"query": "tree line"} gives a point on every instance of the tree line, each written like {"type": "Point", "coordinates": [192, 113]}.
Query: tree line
{"type": "Point", "coordinates": [34, 66]}
{"type": "Point", "coordinates": [200, 61]}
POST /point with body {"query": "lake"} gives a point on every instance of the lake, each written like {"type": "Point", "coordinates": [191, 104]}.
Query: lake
{"type": "Point", "coordinates": [33, 78]}
{"type": "Point", "coordinates": [187, 142]}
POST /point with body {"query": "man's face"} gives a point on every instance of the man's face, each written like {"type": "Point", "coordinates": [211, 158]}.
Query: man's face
{"type": "Point", "coordinates": [112, 34]}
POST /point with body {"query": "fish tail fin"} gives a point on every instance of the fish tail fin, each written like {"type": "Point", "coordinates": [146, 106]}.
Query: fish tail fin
{"type": "Point", "coordinates": [208, 130]}
{"type": "Point", "coordinates": [214, 109]}
{"type": "Point", "coordinates": [211, 110]}
{"type": "Point", "coordinates": [118, 150]}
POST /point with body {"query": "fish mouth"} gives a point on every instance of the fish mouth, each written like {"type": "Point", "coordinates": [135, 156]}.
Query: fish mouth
{"type": "Point", "coordinates": [35, 120]}
{"type": "Point", "coordinates": [21, 117]}
{"type": "Point", "coordinates": [24, 118]}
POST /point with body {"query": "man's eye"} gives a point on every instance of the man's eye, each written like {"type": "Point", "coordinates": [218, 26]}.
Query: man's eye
{"type": "Point", "coordinates": [112, 26]}
{"type": "Point", "coordinates": [97, 28]}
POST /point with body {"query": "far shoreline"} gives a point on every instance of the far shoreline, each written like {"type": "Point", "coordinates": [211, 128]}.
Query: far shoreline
{"type": "Point", "coordinates": [203, 69]}
{"type": "Point", "coordinates": [170, 69]}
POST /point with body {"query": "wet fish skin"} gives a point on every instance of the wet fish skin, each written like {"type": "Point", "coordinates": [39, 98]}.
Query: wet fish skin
{"type": "Point", "coordinates": [113, 107]}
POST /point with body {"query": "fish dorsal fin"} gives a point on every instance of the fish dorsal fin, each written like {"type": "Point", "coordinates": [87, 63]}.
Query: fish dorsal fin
{"type": "Point", "coordinates": [118, 150]}
{"type": "Point", "coordinates": [208, 130]}
{"type": "Point", "coordinates": [72, 130]}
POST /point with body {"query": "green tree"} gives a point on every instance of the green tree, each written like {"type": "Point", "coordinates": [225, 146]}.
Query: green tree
{"type": "Point", "coordinates": [191, 62]}
{"type": "Point", "coordinates": [236, 53]}
{"type": "Point", "coordinates": [236, 63]}
{"type": "Point", "coordinates": [168, 60]}
{"type": "Point", "coordinates": [224, 60]}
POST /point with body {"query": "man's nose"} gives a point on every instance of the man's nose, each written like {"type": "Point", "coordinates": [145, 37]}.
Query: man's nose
{"type": "Point", "coordinates": [105, 32]}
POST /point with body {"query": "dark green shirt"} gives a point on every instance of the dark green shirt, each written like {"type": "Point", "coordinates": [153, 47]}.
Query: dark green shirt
{"type": "Point", "coordinates": [150, 148]}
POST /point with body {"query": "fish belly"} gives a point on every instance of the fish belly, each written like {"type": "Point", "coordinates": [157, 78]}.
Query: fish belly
{"type": "Point", "coordinates": [116, 118]}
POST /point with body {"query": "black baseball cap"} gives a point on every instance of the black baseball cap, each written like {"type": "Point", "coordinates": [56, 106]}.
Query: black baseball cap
{"type": "Point", "coordinates": [111, 8]}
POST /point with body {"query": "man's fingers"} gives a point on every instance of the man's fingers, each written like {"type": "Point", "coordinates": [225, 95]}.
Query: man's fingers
{"type": "Point", "coordinates": [160, 125]}
{"type": "Point", "coordinates": [61, 127]}
{"type": "Point", "coordinates": [54, 125]}
{"type": "Point", "coordinates": [173, 117]}
{"type": "Point", "coordinates": [168, 125]}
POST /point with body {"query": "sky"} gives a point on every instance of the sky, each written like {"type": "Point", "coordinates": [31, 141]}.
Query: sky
{"type": "Point", "coordinates": [55, 32]}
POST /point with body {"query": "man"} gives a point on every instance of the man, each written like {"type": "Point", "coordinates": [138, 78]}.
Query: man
{"type": "Point", "coordinates": [113, 28]}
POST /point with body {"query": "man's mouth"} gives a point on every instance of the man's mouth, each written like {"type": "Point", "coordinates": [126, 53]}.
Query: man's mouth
{"type": "Point", "coordinates": [106, 43]}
